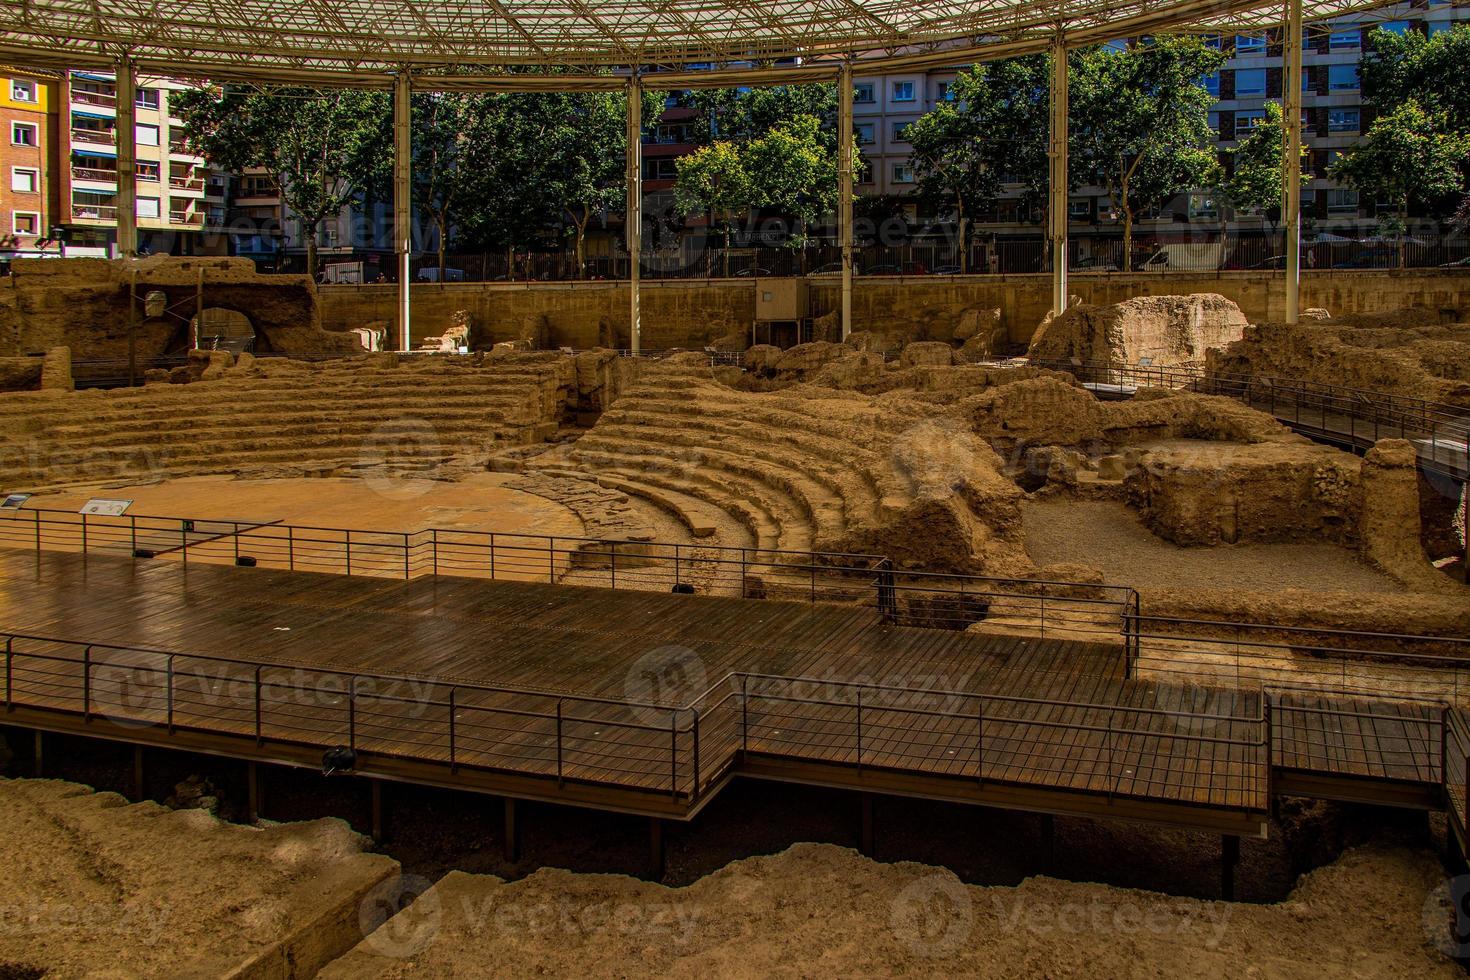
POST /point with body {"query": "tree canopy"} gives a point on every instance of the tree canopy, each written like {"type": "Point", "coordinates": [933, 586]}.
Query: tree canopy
{"type": "Point", "coordinates": [321, 147]}
{"type": "Point", "coordinates": [1259, 160]}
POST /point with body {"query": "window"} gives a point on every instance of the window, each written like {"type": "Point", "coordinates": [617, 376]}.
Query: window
{"type": "Point", "coordinates": [147, 207]}
{"type": "Point", "coordinates": [1345, 40]}
{"type": "Point", "coordinates": [24, 180]}
{"type": "Point", "coordinates": [1340, 200]}
{"type": "Point", "coordinates": [1396, 26]}
{"type": "Point", "coordinates": [1212, 84]}
{"type": "Point", "coordinates": [900, 132]}
{"type": "Point", "coordinates": [1342, 78]}
{"type": "Point", "coordinates": [1250, 81]}
{"type": "Point", "coordinates": [1079, 210]}
{"type": "Point", "coordinates": [943, 92]}
{"type": "Point", "coordinates": [145, 134]}
{"type": "Point", "coordinates": [903, 173]}
{"type": "Point", "coordinates": [1215, 121]}
{"type": "Point", "coordinates": [1343, 120]}
{"type": "Point", "coordinates": [23, 134]}
{"type": "Point", "coordinates": [863, 92]}
{"type": "Point", "coordinates": [22, 90]}
{"type": "Point", "coordinates": [1439, 26]}
{"type": "Point", "coordinates": [1250, 44]}
{"type": "Point", "coordinates": [1202, 206]}
{"type": "Point", "coordinates": [146, 98]}
{"type": "Point", "coordinates": [25, 223]}
{"type": "Point", "coordinates": [864, 133]}
{"type": "Point", "coordinates": [1249, 119]}
{"type": "Point", "coordinates": [903, 91]}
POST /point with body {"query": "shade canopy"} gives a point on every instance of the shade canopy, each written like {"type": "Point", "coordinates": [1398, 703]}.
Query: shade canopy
{"type": "Point", "coordinates": [365, 41]}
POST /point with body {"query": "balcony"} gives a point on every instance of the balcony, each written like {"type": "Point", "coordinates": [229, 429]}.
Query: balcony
{"type": "Point", "coordinates": [103, 99]}
{"type": "Point", "coordinates": [94, 212]}
{"type": "Point", "coordinates": [180, 148]}
{"type": "Point", "coordinates": [186, 217]}
{"type": "Point", "coordinates": [186, 183]}
{"type": "Point", "coordinates": [93, 173]}
{"type": "Point", "coordinates": [98, 137]}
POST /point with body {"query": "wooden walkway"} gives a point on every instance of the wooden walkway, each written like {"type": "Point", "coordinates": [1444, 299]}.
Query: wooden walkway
{"type": "Point", "coordinates": [646, 702]}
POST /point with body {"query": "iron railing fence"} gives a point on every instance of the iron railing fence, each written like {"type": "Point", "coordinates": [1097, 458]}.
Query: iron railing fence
{"type": "Point", "coordinates": [951, 601]}
{"type": "Point", "coordinates": [1455, 765]}
{"type": "Point", "coordinates": [679, 749]}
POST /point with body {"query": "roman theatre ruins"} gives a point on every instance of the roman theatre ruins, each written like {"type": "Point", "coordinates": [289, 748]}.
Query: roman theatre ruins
{"type": "Point", "coordinates": [1161, 586]}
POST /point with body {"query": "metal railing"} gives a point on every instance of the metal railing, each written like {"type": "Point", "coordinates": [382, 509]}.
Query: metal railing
{"type": "Point", "coordinates": [1403, 739]}
{"type": "Point", "coordinates": [1354, 416]}
{"type": "Point", "coordinates": [1329, 660]}
{"type": "Point", "coordinates": [903, 597]}
{"type": "Point", "coordinates": [94, 212]}
{"type": "Point", "coordinates": [678, 749]}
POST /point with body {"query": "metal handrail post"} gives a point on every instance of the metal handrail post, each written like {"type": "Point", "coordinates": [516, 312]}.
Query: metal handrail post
{"type": "Point", "coordinates": [84, 533]}
{"type": "Point", "coordinates": [259, 733]}
{"type": "Point", "coordinates": [453, 758]}
{"type": "Point", "coordinates": [558, 742]}
{"type": "Point", "coordinates": [349, 551]}
{"type": "Point", "coordinates": [87, 684]}
{"type": "Point", "coordinates": [169, 684]}
{"type": "Point", "coordinates": [674, 752]}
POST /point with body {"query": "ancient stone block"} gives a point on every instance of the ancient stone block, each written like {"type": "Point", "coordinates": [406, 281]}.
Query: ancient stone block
{"type": "Point", "coordinates": [1165, 330]}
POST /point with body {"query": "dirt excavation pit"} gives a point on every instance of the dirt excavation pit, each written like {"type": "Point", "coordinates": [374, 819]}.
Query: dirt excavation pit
{"type": "Point", "coordinates": [824, 910]}
{"type": "Point", "coordinates": [96, 886]}
{"type": "Point", "coordinates": [1109, 536]}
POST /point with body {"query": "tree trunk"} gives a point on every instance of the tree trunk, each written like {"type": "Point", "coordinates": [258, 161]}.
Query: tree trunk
{"type": "Point", "coordinates": [1127, 264]}
{"type": "Point", "coordinates": [310, 234]}
{"type": "Point", "coordinates": [442, 222]}
{"type": "Point", "coordinates": [964, 245]}
{"type": "Point", "coordinates": [510, 263]}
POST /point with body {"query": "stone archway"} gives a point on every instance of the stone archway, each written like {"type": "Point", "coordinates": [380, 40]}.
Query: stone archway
{"type": "Point", "coordinates": [222, 328]}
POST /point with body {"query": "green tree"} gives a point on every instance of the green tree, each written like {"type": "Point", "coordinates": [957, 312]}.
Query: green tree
{"type": "Point", "coordinates": [713, 180]}
{"type": "Point", "coordinates": [456, 139]}
{"type": "Point", "coordinates": [1406, 156]}
{"type": "Point", "coordinates": [794, 173]}
{"type": "Point", "coordinates": [1140, 122]}
{"type": "Point", "coordinates": [322, 148]}
{"type": "Point", "coordinates": [992, 126]}
{"type": "Point", "coordinates": [1429, 70]}
{"type": "Point", "coordinates": [1256, 178]}
{"type": "Point", "coordinates": [740, 115]}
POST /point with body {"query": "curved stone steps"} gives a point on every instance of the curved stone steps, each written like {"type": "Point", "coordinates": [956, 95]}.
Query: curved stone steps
{"type": "Point", "coordinates": [852, 486]}
{"type": "Point", "coordinates": [700, 519]}
{"type": "Point", "coordinates": [240, 432]}
{"type": "Point", "coordinates": [764, 528]}
{"type": "Point", "coordinates": [816, 492]}
{"type": "Point", "coordinates": [787, 499]}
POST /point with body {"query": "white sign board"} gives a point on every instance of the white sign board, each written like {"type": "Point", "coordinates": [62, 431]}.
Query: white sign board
{"type": "Point", "coordinates": [14, 501]}
{"type": "Point", "coordinates": [103, 507]}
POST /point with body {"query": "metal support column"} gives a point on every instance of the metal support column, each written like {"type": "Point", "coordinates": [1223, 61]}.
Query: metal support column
{"type": "Point", "coordinates": [844, 189]}
{"type": "Point", "coordinates": [377, 835]}
{"type": "Point", "coordinates": [38, 771]}
{"type": "Point", "coordinates": [865, 837]}
{"type": "Point", "coordinates": [634, 214]}
{"type": "Point", "coordinates": [656, 852]}
{"type": "Point", "coordinates": [1291, 169]}
{"type": "Point", "coordinates": [403, 198]}
{"type": "Point", "coordinates": [1057, 180]}
{"type": "Point", "coordinates": [512, 841]}
{"type": "Point", "coordinates": [139, 782]}
{"type": "Point", "coordinates": [252, 789]}
{"type": "Point", "coordinates": [1229, 858]}
{"type": "Point", "coordinates": [127, 159]}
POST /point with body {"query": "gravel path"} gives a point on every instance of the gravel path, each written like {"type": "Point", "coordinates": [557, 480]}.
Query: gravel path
{"type": "Point", "coordinates": [1109, 536]}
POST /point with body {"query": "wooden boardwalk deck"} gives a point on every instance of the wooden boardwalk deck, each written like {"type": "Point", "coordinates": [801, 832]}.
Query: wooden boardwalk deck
{"type": "Point", "coordinates": [626, 692]}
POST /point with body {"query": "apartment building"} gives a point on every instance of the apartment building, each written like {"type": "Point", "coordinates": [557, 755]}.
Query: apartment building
{"type": "Point", "coordinates": [28, 200]}
{"type": "Point", "coordinates": [1333, 116]}
{"type": "Point", "coordinates": [180, 197]}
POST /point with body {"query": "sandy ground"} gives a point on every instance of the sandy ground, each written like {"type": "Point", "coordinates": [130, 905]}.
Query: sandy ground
{"type": "Point", "coordinates": [478, 502]}
{"type": "Point", "coordinates": [1111, 538]}
{"type": "Point", "coordinates": [98, 887]}
{"type": "Point", "coordinates": [820, 910]}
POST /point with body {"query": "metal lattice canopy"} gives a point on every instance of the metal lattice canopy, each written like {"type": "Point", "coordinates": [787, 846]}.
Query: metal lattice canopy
{"type": "Point", "coordinates": [362, 42]}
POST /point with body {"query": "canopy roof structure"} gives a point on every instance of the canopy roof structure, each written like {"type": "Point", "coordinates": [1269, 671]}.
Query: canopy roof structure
{"type": "Point", "coordinates": [366, 41]}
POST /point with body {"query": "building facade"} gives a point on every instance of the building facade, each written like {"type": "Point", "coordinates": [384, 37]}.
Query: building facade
{"type": "Point", "coordinates": [181, 199]}
{"type": "Point", "coordinates": [28, 199]}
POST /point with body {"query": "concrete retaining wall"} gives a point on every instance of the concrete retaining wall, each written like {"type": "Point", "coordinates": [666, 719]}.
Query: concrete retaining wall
{"type": "Point", "coordinates": [693, 313]}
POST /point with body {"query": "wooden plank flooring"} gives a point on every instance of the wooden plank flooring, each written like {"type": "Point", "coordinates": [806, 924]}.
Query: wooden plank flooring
{"type": "Point", "coordinates": [1031, 712]}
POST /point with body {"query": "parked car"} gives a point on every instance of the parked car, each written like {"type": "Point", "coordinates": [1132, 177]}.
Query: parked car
{"type": "Point", "coordinates": [1457, 264]}
{"type": "Point", "coordinates": [754, 272]}
{"type": "Point", "coordinates": [1091, 263]}
{"type": "Point", "coordinates": [946, 270]}
{"type": "Point", "coordinates": [1269, 262]}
